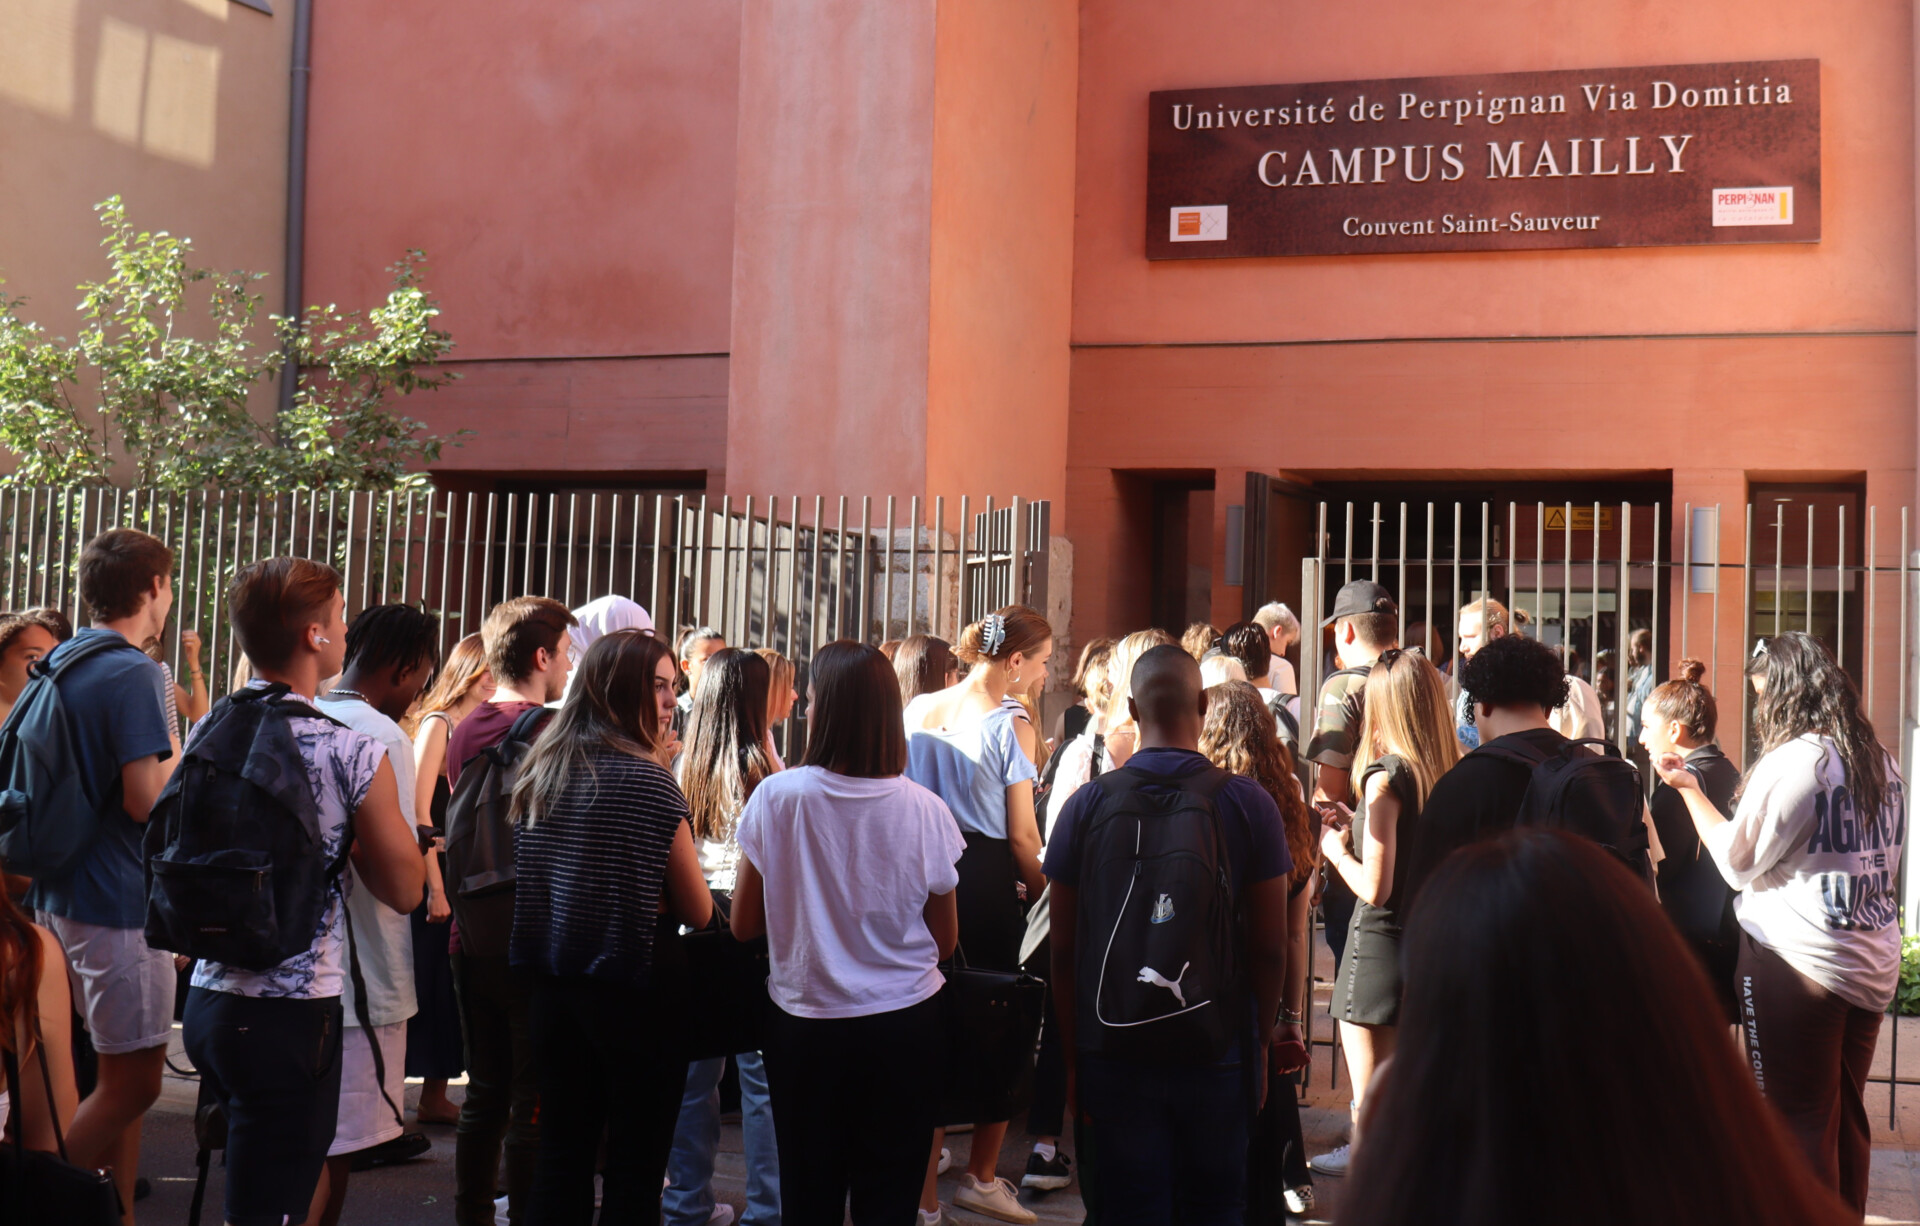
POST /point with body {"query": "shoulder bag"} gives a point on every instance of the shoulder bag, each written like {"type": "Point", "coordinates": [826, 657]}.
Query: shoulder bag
{"type": "Point", "coordinates": [42, 1187]}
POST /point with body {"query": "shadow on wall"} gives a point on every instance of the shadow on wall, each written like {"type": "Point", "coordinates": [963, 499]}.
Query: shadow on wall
{"type": "Point", "coordinates": [146, 88]}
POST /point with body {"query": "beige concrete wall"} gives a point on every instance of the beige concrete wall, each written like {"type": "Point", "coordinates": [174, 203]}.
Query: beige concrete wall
{"type": "Point", "coordinates": [177, 106]}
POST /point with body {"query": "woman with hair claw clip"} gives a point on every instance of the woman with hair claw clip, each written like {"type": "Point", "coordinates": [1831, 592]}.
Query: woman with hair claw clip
{"type": "Point", "coordinates": [968, 748]}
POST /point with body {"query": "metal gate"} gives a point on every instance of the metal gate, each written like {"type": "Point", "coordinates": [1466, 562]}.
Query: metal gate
{"type": "Point", "coordinates": [1707, 584]}
{"type": "Point", "coordinates": [784, 573]}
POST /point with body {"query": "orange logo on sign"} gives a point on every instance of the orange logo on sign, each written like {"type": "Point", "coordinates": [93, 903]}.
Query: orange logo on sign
{"type": "Point", "coordinates": [1189, 223]}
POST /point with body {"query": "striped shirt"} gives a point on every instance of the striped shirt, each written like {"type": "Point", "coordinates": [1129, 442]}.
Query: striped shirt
{"type": "Point", "coordinates": [592, 871]}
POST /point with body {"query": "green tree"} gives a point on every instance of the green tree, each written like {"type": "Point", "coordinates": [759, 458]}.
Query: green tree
{"type": "Point", "coordinates": [176, 404]}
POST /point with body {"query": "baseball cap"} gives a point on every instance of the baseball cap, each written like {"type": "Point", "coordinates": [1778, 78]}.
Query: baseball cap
{"type": "Point", "coordinates": [1361, 596]}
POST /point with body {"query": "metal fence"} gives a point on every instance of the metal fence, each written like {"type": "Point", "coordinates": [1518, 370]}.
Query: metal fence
{"type": "Point", "coordinates": [785, 573]}
{"type": "Point", "coordinates": [1708, 584]}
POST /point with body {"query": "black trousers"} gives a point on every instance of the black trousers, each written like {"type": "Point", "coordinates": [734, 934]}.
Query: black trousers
{"type": "Point", "coordinates": [501, 1091]}
{"type": "Point", "coordinates": [855, 1102]}
{"type": "Point", "coordinates": [1810, 1051]}
{"type": "Point", "coordinates": [610, 1063]}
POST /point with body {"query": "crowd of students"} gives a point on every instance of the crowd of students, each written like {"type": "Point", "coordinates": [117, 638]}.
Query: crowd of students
{"type": "Point", "coordinates": [1513, 967]}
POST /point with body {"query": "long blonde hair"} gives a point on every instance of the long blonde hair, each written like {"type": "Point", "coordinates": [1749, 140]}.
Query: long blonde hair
{"type": "Point", "coordinates": [464, 667]}
{"type": "Point", "coordinates": [1407, 715]}
{"type": "Point", "coordinates": [1126, 654]}
{"type": "Point", "coordinates": [1240, 735]}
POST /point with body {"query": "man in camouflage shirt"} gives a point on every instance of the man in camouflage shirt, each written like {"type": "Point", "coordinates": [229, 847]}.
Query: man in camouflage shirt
{"type": "Point", "coordinates": [1365, 623]}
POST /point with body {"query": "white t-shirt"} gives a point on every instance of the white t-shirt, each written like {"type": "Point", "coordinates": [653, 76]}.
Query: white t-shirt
{"type": "Point", "coordinates": [849, 865]}
{"type": "Point", "coordinates": [383, 937]}
{"type": "Point", "coordinates": [1280, 674]}
{"type": "Point", "coordinates": [1817, 880]}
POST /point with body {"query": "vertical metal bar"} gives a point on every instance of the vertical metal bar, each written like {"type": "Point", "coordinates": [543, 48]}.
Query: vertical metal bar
{"type": "Point", "coordinates": [1486, 585]}
{"type": "Point", "coordinates": [593, 542]}
{"type": "Point", "coordinates": [1809, 617]}
{"type": "Point", "coordinates": [886, 614]}
{"type": "Point", "coordinates": [1714, 638]}
{"type": "Point", "coordinates": [813, 599]}
{"type": "Point", "coordinates": [840, 571]}
{"type": "Point", "coordinates": [446, 575]}
{"type": "Point", "coordinates": [726, 564]}
{"type": "Point", "coordinates": [769, 554]}
{"type": "Point", "coordinates": [866, 565]}
{"type": "Point", "coordinates": [486, 552]}
{"type": "Point", "coordinates": [653, 560]}
{"type": "Point", "coordinates": [963, 572]}
{"type": "Point", "coordinates": [676, 583]}
{"type": "Point", "coordinates": [1566, 584]}
{"type": "Point", "coordinates": [573, 536]}
{"type": "Point", "coordinates": [939, 562]}
{"type": "Point", "coordinates": [1873, 599]}
{"type": "Point", "coordinates": [1622, 658]}
{"type": "Point", "coordinates": [1840, 586]}
{"type": "Point", "coordinates": [1346, 565]}
{"type": "Point", "coordinates": [1512, 567]}
{"type": "Point", "coordinates": [13, 547]}
{"type": "Point", "coordinates": [1779, 552]}
{"type": "Point", "coordinates": [793, 574]}
{"type": "Point", "coordinates": [746, 573]}
{"type": "Point", "coordinates": [1653, 643]}
{"type": "Point", "coordinates": [701, 612]}
{"type": "Point", "coordinates": [1593, 613]}
{"type": "Point", "coordinates": [913, 564]}
{"type": "Point", "coordinates": [1686, 576]}
{"type": "Point", "coordinates": [1400, 586]}
{"type": "Point", "coordinates": [1373, 567]}
{"type": "Point", "coordinates": [1457, 549]}
{"type": "Point", "coordinates": [333, 521]}
{"type": "Point", "coordinates": [1433, 627]}
{"type": "Point", "coordinates": [1746, 631]}
{"type": "Point", "coordinates": [553, 543]}
{"type": "Point", "coordinates": [406, 556]}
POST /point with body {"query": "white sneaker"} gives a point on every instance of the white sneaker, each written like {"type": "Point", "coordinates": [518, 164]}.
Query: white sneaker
{"type": "Point", "coordinates": [722, 1214]}
{"type": "Point", "coordinates": [1333, 1162]}
{"type": "Point", "coordinates": [946, 1161]}
{"type": "Point", "coordinates": [500, 1212]}
{"type": "Point", "coordinates": [929, 1219]}
{"type": "Point", "coordinates": [1300, 1200]}
{"type": "Point", "coordinates": [994, 1200]}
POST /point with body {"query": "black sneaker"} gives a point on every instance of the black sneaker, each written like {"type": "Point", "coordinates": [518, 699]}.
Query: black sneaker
{"type": "Point", "coordinates": [403, 1148]}
{"type": "Point", "coordinates": [1048, 1174]}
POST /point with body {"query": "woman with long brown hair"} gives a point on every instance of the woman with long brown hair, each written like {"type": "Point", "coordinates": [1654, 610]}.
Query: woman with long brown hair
{"type": "Point", "coordinates": [1407, 742]}
{"type": "Point", "coordinates": [925, 665]}
{"type": "Point", "coordinates": [1814, 849]}
{"type": "Point", "coordinates": [1545, 993]}
{"type": "Point", "coordinates": [36, 1015]}
{"type": "Point", "coordinates": [434, 1043]}
{"type": "Point", "coordinates": [1242, 736]}
{"type": "Point", "coordinates": [607, 871]}
{"type": "Point", "coordinates": [728, 755]}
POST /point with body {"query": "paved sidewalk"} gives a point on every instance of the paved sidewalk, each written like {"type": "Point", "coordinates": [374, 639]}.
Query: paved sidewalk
{"type": "Point", "coordinates": [422, 1191]}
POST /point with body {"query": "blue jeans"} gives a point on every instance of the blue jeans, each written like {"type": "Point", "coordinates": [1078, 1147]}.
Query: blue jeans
{"type": "Point", "coordinates": [1172, 1141]}
{"type": "Point", "coordinates": [688, 1200]}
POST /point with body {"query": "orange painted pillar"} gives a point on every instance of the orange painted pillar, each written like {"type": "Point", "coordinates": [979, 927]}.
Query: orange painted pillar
{"type": "Point", "coordinates": [903, 245]}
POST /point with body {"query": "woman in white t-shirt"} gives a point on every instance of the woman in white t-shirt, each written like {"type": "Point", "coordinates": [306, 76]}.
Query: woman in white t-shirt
{"type": "Point", "coordinates": [1814, 850]}
{"type": "Point", "coordinates": [728, 755]}
{"type": "Point", "coordinates": [848, 868]}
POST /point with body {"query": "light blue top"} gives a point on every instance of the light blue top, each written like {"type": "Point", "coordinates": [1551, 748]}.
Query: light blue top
{"type": "Point", "coordinates": [970, 766]}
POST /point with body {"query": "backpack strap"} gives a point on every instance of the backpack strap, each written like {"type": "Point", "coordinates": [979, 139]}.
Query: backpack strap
{"type": "Point", "coordinates": [527, 726]}
{"type": "Point", "coordinates": [83, 649]}
{"type": "Point", "coordinates": [1520, 753]}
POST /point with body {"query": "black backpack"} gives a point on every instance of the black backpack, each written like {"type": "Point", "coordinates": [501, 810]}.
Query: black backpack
{"type": "Point", "coordinates": [1160, 976]}
{"type": "Point", "coordinates": [234, 872]}
{"type": "Point", "coordinates": [1284, 721]}
{"type": "Point", "coordinates": [480, 870]}
{"type": "Point", "coordinates": [49, 809]}
{"type": "Point", "coordinates": [1598, 796]}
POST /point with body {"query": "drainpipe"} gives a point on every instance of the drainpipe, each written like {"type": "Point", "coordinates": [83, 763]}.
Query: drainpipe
{"type": "Point", "coordinates": [302, 71]}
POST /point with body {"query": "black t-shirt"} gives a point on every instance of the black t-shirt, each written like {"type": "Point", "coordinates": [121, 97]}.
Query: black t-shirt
{"type": "Point", "coordinates": [1478, 799]}
{"type": "Point", "coordinates": [1692, 891]}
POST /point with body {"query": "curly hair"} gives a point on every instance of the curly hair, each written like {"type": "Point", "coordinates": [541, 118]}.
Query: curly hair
{"type": "Point", "coordinates": [1240, 736]}
{"type": "Point", "coordinates": [1512, 671]}
{"type": "Point", "coordinates": [1804, 690]}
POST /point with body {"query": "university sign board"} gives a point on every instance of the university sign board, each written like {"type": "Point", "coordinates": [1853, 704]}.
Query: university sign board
{"type": "Point", "coordinates": [1612, 157]}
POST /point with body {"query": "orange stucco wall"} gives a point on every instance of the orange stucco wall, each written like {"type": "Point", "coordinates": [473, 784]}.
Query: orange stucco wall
{"type": "Point", "coordinates": [1003, 183]}
{"type": "Point", "coordinates": [1728, 362]}
{"type": "Point", "coordinates": [568, 171]}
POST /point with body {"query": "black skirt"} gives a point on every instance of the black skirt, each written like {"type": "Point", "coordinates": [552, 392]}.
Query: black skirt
{"type": "Point", "coordinates": [992, 917]}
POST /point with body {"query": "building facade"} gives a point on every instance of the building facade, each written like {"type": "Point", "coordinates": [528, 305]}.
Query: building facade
{"type": "Point", "coordinates": [828, 246]}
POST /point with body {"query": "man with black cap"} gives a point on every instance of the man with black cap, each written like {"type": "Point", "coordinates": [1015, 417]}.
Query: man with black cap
{"type": "Point", "coordinates": [1366, 622]}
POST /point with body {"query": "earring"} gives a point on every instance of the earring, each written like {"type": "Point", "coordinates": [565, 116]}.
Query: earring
{"type": "Point", "coordinates": [1014, 680]}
